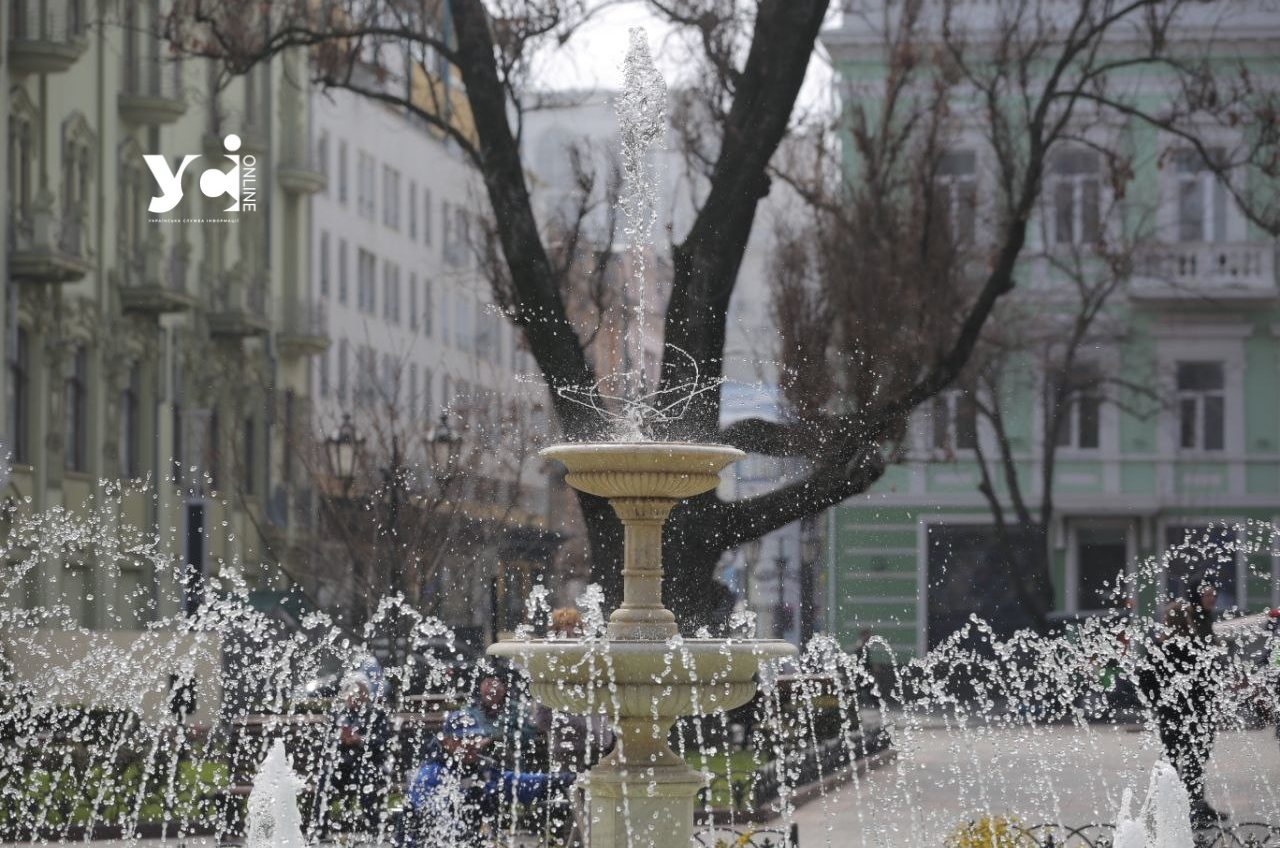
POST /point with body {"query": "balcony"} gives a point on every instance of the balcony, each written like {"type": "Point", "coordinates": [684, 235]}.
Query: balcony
{"type": "Point", "coordinates": [306, 329]}
{"type": "Point", "coordinates": [299, 171]}
{"type": "Point", "coordinates": [1227, 272]}
{"type": "Point", "coordinates": [152, 286]}
{"type": "Point", "coordinates": [153, 93]}
{"type": "Point", "coordinates": [43, 249]}
{"type": "Point", "coordinates": [240, 307]}
{"type": "Point", "coordinates": [46, 36]}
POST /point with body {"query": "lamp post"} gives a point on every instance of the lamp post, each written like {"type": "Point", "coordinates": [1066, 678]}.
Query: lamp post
{"type": "Point", "coordinates": [446, 445]}
{"type": "Point", "coordinates": [343, 449]}
{"type": "Point", "coordinates": [751, 555]}
{"type": "Point", "coordinates": [810, 552]}
{"type": "Point", "coordinates": [780, 563]}
{"type": "Point", "coordinates": [343, 452]}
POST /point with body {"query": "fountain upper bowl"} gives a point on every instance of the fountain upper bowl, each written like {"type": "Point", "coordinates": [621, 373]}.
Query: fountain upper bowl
{"type": "Point", "coordinates": [635, 678]}
{"type": "Point", "coordinates": [671, 470]}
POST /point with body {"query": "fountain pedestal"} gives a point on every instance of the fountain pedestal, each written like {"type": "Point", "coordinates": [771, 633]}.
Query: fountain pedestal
{"type": "Point", "coordinates": [642, 676]}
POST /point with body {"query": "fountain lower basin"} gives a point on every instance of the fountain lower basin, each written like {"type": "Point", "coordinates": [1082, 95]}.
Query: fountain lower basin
{"type": "Point", "coordinates": [620, 678]}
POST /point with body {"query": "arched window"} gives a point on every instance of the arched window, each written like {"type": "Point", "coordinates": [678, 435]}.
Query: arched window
{"type": "Point", "coordinates": [134, 198]}
{"type": "Point", "coordinates": [22, 159]}
{"type": "Point", "coordinates": [78, 144]}
{"type": "Point", "coordinates": [77, 403]}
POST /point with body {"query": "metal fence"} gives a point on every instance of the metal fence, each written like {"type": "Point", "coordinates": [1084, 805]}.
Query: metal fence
{"type": "Point", "coordinates": [1241, 835]}
{"type": "Point", "coordinates": [745, 837]}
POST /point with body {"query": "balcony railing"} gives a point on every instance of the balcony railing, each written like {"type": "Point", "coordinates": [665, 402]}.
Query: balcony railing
{"type": "Point", "coordinates": [153, 283]}
{"type": "Point", "coordinates": [1207, 270]}
{"type": "Point", "coordinates": [46, 36]}
{"type": "Point", "coordinates": [44, 248]}
{"type": "Point", "coordinates": [240, 307]}
{"type": "Point", "coordinates": [306, 327]}
{"type": "Point", "coordinates": [153, 91]}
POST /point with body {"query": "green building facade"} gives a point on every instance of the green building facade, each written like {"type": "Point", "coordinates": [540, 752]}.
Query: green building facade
{"type": "Point", "coordinates": [1197, 326]}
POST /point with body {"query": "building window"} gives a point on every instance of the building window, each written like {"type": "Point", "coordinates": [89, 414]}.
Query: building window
{"type": "Point", "coordinates": [428, 306]}
{"type": "Point", "coordinates": [77, 400]}
{"type": "Point", "coordinates": [462, 326]}
{"type": "Point", "coordinates": [426, 216]}
{"type": "Point", "coordinates": [131, 424]}
{"type": "Point", "coordinates": [324, 374]}
{"type": "Point", "coordinates": [343, 355]}
{"type": "Point", "coordinates": [1201, 406]}
{"type": "Point", "coordinates": [1102, 555]}
{"type": "Point", "coordinates": [249, 444]}
{"type": "Point", "coordinates": [366, 191]}
{"type": "Point", "coordinates": [1201, 557]}
{"type": "Point", "coordinates": [324, 264]}
{"type": "Point", "coordinates": [413, 301]}
{"type": "Point", "coordinates": [957, 192]}
{"type": "Point", "coordinates": [391, 197]}
{"type": "Point", "coordinates": [1079, 416]}
{"type": "Point", "coordinates": [18, 396]}
{"type": "Point", "coordinates": [413, 210]}
{"type": "Point", "coordinates": [342, 271]}
{"type": "Point", "coordinates": [413, 391]}
{"type": "Point", "coordinates": [176, 422]}
{"type": "Point", "coordinates": [77, 183]}
{"type": "Point", "coordinates": [22, 147]}
{"type": "Point", "coordinates": [366, 282]}
{"type": "Point", "coordinates": [391, 292]}
{"type": "Point", "coordinates": [955, 421]}
{"type": "Point", "coordinates": [427, 381]}
{"type": "Point", "coordinates": [1074, 189]}
{"type": "Point", "coordinates": [342, 173]}
{"type": "Point", "coordinates": [322, 158]}
{"type": "Point", "coordinates": [1202, 198]}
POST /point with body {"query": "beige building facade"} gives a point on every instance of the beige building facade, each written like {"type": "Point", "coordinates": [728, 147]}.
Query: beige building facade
{"type": "Point", "coordinates": [156, 362]}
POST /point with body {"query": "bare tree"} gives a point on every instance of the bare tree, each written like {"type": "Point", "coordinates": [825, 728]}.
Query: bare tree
{"type": "Point", "coordinates": [1047, 66]}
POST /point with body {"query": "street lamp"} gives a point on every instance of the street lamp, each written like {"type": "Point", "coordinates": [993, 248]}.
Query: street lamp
{"type": "Point", "coordinates": [780, 563]}
{"type": "Point", "coordinates": [342, 449]}
{"type": "Point", "coordinates": [811, 547]}
{"type": "Point", "coordinates": [446, 445]}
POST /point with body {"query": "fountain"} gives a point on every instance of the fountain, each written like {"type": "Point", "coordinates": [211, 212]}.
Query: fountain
{"type": "Point", "coordinates": [641, 675]}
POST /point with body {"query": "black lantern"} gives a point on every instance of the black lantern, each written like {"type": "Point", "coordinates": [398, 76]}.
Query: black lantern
{"type": "Point", "coordinates": [446, 445]}
{"type": "Point", "coordinates": [343, 448]}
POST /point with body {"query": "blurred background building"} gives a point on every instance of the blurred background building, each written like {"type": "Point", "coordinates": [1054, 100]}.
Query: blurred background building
{"type": "Point", "coordinates": [153, 346]}
{"type": "Point", "coordinates": [1173, 431]}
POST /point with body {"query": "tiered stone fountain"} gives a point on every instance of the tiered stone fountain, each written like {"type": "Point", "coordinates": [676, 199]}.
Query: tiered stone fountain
{"type": "Point", "coordinates": [642, 676]}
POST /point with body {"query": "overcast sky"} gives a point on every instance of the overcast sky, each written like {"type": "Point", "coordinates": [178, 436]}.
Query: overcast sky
{"type": "Point", "coordinates": [593, 58]}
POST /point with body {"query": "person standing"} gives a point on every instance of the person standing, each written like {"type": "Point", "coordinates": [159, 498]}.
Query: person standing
{"type": "Point", "coordinates": [355, 770]}
{"type": "Point", "coordinates": [1182, 684]}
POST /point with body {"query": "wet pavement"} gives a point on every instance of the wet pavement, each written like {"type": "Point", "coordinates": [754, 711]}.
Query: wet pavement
{"type": "Point", "coordinates": [1046, 774]}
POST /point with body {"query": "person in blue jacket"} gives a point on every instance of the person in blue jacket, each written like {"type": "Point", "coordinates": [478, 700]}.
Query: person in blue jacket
{"type": "Point", "coordinates": [459, 789]}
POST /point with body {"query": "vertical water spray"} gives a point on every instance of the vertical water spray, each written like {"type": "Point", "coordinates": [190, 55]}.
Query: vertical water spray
{"type": "Point", "coordinates": [642, 116]}
{"type": "Point", "coordinates": [274, 819]}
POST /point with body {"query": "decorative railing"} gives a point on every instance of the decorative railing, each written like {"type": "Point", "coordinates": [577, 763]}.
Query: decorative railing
{"type": "Point", "coordinates": [1208, 268]}
{"type": "Point", "coordinates": [154, 76]}
{"type": "Point", "coordinates": [1242, 835]}
{"type": "Point", "coordinates": [307, 319]}
{"type": "Point", "coordinates": [47, 21]}
{"type": "Point", "coordinates": [747, 837]}
{"type": "Point", "coordinates": [72, 234]}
